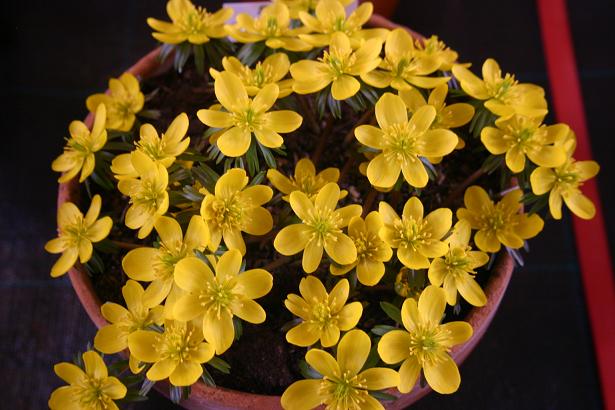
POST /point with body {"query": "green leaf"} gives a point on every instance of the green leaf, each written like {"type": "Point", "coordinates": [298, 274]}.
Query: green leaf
{"type": "Point", "coordinates": [392, 311]}
{"type": "Point", "coordinates": [238, 327]}
{"type": "Point", "coordinates": [199, 58]}
{"type": "Point", "coordinates": [267, 156]}
{"type": "Point", "coordinates": [249, 53]}
{"type": "Point", "coordinates": [165, 51]}
{"type": "Point", "coordinates": [382, 329]}
{"type": "Point", "coordinates": [307, 371]}
{"type": "Point", "coordinates": [182, 53]}
{"type": "Point", "coordinates": [220, 365]}
{"type": "Point", "coordinates": [207, 378]}
{"type": "Point", "coordinates": [381, 395]}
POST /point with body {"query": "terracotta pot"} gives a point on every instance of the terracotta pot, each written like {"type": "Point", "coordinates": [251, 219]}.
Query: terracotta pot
{"type": "Point", "coordinates": [219, 398]}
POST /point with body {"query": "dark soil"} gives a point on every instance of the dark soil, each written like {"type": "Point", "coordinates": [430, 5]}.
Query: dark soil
{"type": "Point", "coordinates": [261, 360]}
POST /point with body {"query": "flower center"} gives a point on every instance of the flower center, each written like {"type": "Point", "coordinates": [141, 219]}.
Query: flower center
{"type": "Point", "coordinates": [324, 223]}
{"type": "Point", "coordinates": [167, 257]}
{"type": "Point", "coordinates": [457, 261]}
{"type": "Point", "coordinates": [218, 296]}
{"type": "Point", "coordinates": [149, 194]}
{"type": "Point", "coordinates": [430, 344]}
{"type": "Point", "coordinates": [321, 315]}
{"type": "Point", "coordinates": [500, 88]}
{"type": "Point", "coordinates": [412, 234]}
{"type": "Point", "coordinates": [91, 394]}
{"type": "Point", "coordinates": [366, 245]}
{"type": "Point", "coordinates": [497, 220]}
{"type": "Point", "coordinates": [248, 120]}
{"type": "Point", "coordinates": [74, 232]}
{"type": "Point", "coordinates": [400, 142]}
{"type": "Point", "coordinates": [154, 149]}
{"type": "Point", "coordinates": [344, 392]}
{"type": "Point", "coordinates": [227, 213]}
{"type": "Point", "coordinates": [338, 61]}
{"type": "Point", "coordinates": [176, 343]}
{"type": "Point", "coordinates": [260, 76]}
{"type": "Point", "coordinates": [195, 20]}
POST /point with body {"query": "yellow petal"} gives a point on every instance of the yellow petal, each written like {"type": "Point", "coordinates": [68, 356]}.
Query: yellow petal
{"type": "Point", "coordinates": [344, 87]}
{"type": "Point", "coordinates": [68, 372]}
{"type": "Point", "coordinates": [94, 365]}
{"type": "Point", "coordinates": [370, 136]}
{"type": "Point", "coordinates": [301, 205]}
{"type": "Point", "coordinates": [339, 295]}
{"type": "Point", "coordinates": [218, 330]}
{"type": "Point", "coordinates": [214, 118]}
{"type": "Point", "coordinates": [197, 234]}
{"type": "Point", "coordinates": [100, 229]}
{"type": "Point", "coordinates": [110, 339]}
{"type": "Point", "coordinates": [408, 374]}
{"type": "Point", "coordinates": [460, 332]}
{"type": "Point", "coordinates": [471, 291]}
{"type": "Point", "coordinates": [470, 83]}
{"type": "Point", "coordinates": [65, 262]}
{"type": "Point", "coordinates": [323, 363]}
{"type": "Point", "coordinates": [305, 334]}
{"type": "Point", "coordinates": [283, 121]}
{"type": "Point", "coordinates": [341, 248]}
{"type": "Point", "coordinates": [311, 289]}
{"type": "Point", "coordinates": [515, 159]}
{"type": "Point", "coordinates": [157, 291]}
{"type": "Point", "coordinates": [432, 303]}
{"type": "Point", "coordinates": [542, 180]}
{"type": "Point", "coordinates": [349, 316]}
{"type": "Point", "coordinates": [162, 369]}
{"type": "Point", "coordinates": [394, 346]}
{"type": "Point", "coordinates": [382, 172]}
{"type": "Point", "coordinates": [437, 143]}
{"type": "Point", "coordinates": [439, 222]}
{"type": "Point", "coordinates": [330, 336]}
{"type": "Point", "coordinates": [230, 91]}
{"type": "Point", "coordinates": [328, 196]}
{"type": "Point", "coordinates": [186, 374]}
{"type": "Point", "coordinates": [64, 398]}
{"type": "Point", "coordinates": [231, 182]}
{"type": "Point", "coordinates": [413, 209]}
{"type": "Point", "coordinates": [398, 43]}
{"type": "Point", "coordinates": [269, 138]}
{"type": "Point", "coordinates": [312, 255]}
{"type": "Point", "coordinates": [410, 314]}
{"type": "Point", "coordinates": [414, 172]}
{"type": "Point", "coordinates": [476, 199]}
{"type": "Point", "coordinates": [187, 307]}
{"type": "Point", "coordinates": [391, 110]}
{"type": "Point", "coordinates": [302, 395]}
{"type": "Point", "coordinates": [169, 230]}
{"type": "Point", "coordinates": [580, 205]}
{"type": "Point", "coordinates": [369, 272]}
{"type": "Point", "coordinates": [259, 221]}
{"type": "Point", "coordinates": [138, 264]}
{"type": "Point", "coordinates": [379, 378]}
{"type": "Point", "coordinates": [292, 239]}
{"type": "Point", "coordinates": [113, 312]}
{"type": "Point", "coordinates": [443, 377]}
{"type": "Point", "coordinates": [487, 241]}
{"type": "Point", "coordinates": [353, 350]}
{"type": "Point", "coordinates": [249, 310]}
{"type": "Point", "coordinates": [234, 142]}
{"type": "Point", "coordinates": [254, 283]}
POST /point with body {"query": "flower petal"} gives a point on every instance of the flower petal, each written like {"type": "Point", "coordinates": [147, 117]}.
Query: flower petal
{"type": "Point", "coordinates": [162, 369]}
{"type": "Point", "coordinates": [408, 374]}
{"type": "Point", "coordinates": [391, 110]}
{"type": "Point", "coordinates": [302, 395]}
{"type": "Point", "coordinates": [353, 350]}
{"type": "Point", "coordinates": [432, 303]}
{"type": "Point", "coordinates": [443, 377]}
{"type": "Point", "coordinates": [394, 346]}
{"type": "Point", "coordinates": [185, 374]}
{"type": "Point", "coordinates": [379, 378]}
{"type": "Point", "coordinates": [323, 363]}
{"type": "Point", "coordinates": [292, 239]}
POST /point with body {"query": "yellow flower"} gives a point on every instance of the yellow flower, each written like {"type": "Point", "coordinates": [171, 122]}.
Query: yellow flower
{"type": "Point", "coordinates": [76, 234]}
{"type": "Point", "coordinates": [296, 6]}
{"type": "Point", "coordinates": [272, 26]}
{"type": "Point", "coordinates": [247, 116]}
{"type": "Point", "coordinates": [148, 194]}
{"type": "Point", "coordinates": [425, 343]}
{"type": "Point", "coordinates": [80, 148]}
{"type": "Point", "coordinates": [123, 102]}
{"type": "Point", "coordinates": [456, 269]}
{"type": "Point", "coordinates": [499, 224]}
{"type": "Point", "coordinates": [518, 136]}
{"type": "Point", "coordinates": [162, 149]}
{"type": "Point", "coordinates": [339, 66]}
{"type": "Point", "coordinates": [564, 182]}
{"type": "Point", "coordinates": [372, 251]}
{"type": "Point", "coordinates": [343, 384]}
{"type": "Point", "coordinates": [447, 116]}
{"type": "Point", "coordinates": [233, 209]}
{"type": "Point", "coordinates": [158, 265]}
{"type": "Point", "coordinates": [178, 353]}
{"type": "Point", "coordinates": [220, 296]}
{"type": "Point", "coordinates": [324, 314]}
{"type": "Point", "coordinates": [91, 389]}
{"type": "Point", "coordinates": [189, 23]}
{"type": "Point", "coordinates": [124, 321]}
{"type": "Point", "coordinates": [433, 47]}
{"type": "Point", "coordinates": [416, 238]}
{"type": "Point", "coordinates": [305, 179]}
{"type": "Point", "coordinates": [402, 66]}
{"type": "Point", "coordinates": [320, 229]}
{"type": "Point", "coordinates": [330, 17]}
{"type": "Point", "coordinates": [504, 95]}
{"type": "Point", "coordinates": [401, 142]}
{"type": "Point", "coordinates": [272, 70]}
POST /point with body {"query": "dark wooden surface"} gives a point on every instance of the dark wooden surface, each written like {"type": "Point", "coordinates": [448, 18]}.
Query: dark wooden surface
{"type": "Point", "coordinates": [538, 352]}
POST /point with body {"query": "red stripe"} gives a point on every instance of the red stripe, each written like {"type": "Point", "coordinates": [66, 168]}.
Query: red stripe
{"type": "Point", "coordinates": [591, 238]}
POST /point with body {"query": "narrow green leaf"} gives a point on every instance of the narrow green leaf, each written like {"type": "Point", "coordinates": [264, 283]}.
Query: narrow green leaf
{"type": "Point", "coordinates": [392, 311]}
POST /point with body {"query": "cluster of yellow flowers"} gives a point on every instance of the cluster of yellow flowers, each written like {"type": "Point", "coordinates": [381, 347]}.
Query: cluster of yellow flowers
{"type": "Point", "coordinates": [189, 289]}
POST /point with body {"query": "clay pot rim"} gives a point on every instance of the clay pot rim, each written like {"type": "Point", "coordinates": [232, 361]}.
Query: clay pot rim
{"type": "Point", "coordinates": [479, 318]}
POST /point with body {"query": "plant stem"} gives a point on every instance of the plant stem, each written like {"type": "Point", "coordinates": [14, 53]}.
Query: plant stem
{"type": "Point", "coordinates": [462, 187]}
{"type": "Point", "coordinates": [308, 113]}
{"type": "Point", "coordinates": [125, 245]}
{"type": "Point", "coordinates": [277, 263]}
{"type": "Point", "coordinates": [369, 201]}
{"type": "Point", "coordinates": [322, 141]}
{"type": "Point", "coordinates": [364, 119]}
{"type": "Point", "coordinates": [347, 167]}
